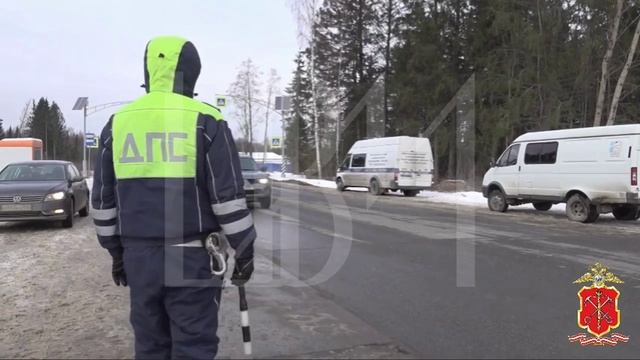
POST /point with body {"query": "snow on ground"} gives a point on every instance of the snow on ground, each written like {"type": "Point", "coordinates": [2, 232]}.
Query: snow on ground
{"type": "Point", "coordinates": [276, 176]}
{"type": "Point", "coordinates": [469, 198]}
{"type": "Point", "coordinates": [465, 198]}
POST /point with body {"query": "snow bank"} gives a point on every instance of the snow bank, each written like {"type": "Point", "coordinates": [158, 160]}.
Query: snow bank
{"type": "Point", "coordinates": [327, 184]}
{"type": "Point", "coordinates": [464, 198]}
{"type": "Point", "coordinates": [469, 198]}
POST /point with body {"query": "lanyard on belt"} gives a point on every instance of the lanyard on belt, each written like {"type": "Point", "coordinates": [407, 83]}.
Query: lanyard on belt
{"type": "Point", "coordinates": [217, 254]}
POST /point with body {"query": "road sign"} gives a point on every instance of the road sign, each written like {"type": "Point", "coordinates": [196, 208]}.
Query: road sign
{"type": "Point", "coordinates": [276, 142]}
{"type": "Point", "coordinates": [91, 143]}
{"type": "Point", "coordinates": [221, 101]}
{"type": "Point", "coordinates": [283, 103]}
{"type": "Point", "coordinates": [90, 136]}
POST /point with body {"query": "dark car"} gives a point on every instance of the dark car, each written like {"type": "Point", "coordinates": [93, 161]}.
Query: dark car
{"type": "Point", "coordinates": [257, 185]}
{"type": "Point", "coordinates": [43, 190]}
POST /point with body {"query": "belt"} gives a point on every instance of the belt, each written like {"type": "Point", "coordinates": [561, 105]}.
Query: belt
{"type": "Point", "coordinates": [214, 244]}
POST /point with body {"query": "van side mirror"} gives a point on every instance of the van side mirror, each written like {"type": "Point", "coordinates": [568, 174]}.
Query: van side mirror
{"type": "Point", "coordinates": [492, 163]}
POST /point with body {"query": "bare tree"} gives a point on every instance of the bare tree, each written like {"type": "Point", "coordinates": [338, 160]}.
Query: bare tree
{"type": "Point", "coordinates": [272, 84]}
{"type": "Point", "coordinates": [623, 76]}
{"type": "Point", "coordinates": [611, 43]}
{"type": "Point", "coordinates": [305, 12]}
{"type": "Point", "coordinates": [243, 91]}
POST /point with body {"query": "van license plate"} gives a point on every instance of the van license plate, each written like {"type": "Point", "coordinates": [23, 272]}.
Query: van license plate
{"type": "Point", "coordinates": [16, 207]}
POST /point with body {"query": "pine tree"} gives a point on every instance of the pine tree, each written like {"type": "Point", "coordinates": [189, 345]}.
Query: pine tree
{"type": "Point", "coordinates": [46, 122]}
{"type": "Point", "coordinates": [298, 140]}
{"type": "Point", "coordinates": [55, 131]}
{"type": "Point", "coordinates": [537, 65]}
{"type": "Point", "coordinates": [2, 133]}
{"type": "Point", "coordinates": [349, 59]}
{"type": "Point", "coordinates": [37, 124]}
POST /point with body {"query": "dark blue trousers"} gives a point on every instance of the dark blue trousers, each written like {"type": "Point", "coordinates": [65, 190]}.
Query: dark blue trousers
{"type": "Point", "coordinates": [174, 302]}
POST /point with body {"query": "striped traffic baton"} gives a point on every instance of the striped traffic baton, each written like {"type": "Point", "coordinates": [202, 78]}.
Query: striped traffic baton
{"type": "Point", "coordinates": [244, 316]}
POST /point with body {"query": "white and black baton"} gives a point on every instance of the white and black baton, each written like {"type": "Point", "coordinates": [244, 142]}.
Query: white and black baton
{"type": "Point", "coordinates": [244, 319]}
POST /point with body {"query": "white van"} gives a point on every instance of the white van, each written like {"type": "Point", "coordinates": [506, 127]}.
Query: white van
{"type": "Point", "coordinates": [392, 163]}
{"type": "Point", "coordinates": [592, 170]}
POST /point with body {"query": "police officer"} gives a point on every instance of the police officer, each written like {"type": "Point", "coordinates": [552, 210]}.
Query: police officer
{"type": "Point", "coordinates": [167, 175]}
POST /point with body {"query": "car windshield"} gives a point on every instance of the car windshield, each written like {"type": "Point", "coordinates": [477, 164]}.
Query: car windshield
{"type": "Point", "coordinates": [33, 172]}
{"type": "Point", "coordinates": [248, 164]}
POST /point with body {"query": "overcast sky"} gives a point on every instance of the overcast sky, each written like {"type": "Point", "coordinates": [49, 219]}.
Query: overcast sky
{"type": "Point", "coordinates": [63, 49]}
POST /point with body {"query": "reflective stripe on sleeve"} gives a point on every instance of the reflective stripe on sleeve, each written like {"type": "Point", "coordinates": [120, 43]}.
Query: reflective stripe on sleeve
{"type": "Point", "coordinates": [106, 230]}
{"type": "Point", "coordinates": [104, 214]}
{"type": "Point", "coordinates": [229, 206]}
{"type": "Point", "coordinates": [238, 226]}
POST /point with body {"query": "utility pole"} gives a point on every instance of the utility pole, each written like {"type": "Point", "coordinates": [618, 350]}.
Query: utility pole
{"type": "Point", "coordinates": [283, 165]}
{"type": "Point", "coordinates": [84, 142]}
{"type": "Point", "coordinates": [81, 104]}
{"type": "Point", "coordinates": [339, 118]}
{"type": "Point", "coordinates": [283, 103]}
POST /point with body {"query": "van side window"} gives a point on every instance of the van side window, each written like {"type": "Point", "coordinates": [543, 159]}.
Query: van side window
{"type": "Point", "coordinates": [549, 153]}
{"type": "Point", "coordinates": [532, 154]}
{"type": "Point", "coordinates": [502, 160]}
{"type": "Point", "coordinates": [510, 156]}
{"type": "Point", "coordinates": [541, 153]}
{"type": "Point", "coordinates": [513, 155]}
{"type": "Point", "coordinates": [345, 162]}
{"type": "Point", "coordinates": [358, 160]}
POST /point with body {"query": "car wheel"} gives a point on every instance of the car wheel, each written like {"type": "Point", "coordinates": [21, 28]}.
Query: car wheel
{"type": "Point", "coordinates": [68, 222]}
{"type": "Point", "coordinates": [542, 205]}
{"type": "Point", "coordinates": [580, 209]}
{"type": "Point", "coordinates": [339, 184]}
{"type": "Point", "coordinates": [497, 201]}
{"type": "Point", "coordinates": [374, 187]}
{"type": "Point", "coordinates": [265, 202]}
{"type": "Point", "coordinates": [410, 193]}
{"type": "Point", "coordinates": [626, 212]}
{"type": "Point", "coordinates": [84, 212]}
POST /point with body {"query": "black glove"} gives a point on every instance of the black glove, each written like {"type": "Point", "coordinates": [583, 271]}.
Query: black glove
{"type": "Point", "coordinates": [242, 271]}
{"type": "Point", "coordinates": [117, 271]}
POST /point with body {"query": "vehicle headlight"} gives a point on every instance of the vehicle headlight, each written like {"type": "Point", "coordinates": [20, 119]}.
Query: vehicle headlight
{"type": "Point", "coordinates": [263, 181]}
{"type": "Point", "coordinates": [55, 196]}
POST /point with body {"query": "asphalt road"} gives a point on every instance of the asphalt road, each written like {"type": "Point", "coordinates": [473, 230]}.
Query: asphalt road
{"type": "Point", "coordinates": [453, 282]}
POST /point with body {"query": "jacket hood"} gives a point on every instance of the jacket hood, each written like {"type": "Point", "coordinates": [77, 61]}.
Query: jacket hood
{"type": "Point", "coordinates": [171, 64]}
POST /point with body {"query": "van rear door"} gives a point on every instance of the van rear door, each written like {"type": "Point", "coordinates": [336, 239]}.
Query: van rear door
{"type": "Point", "coordinates": [415, 163]}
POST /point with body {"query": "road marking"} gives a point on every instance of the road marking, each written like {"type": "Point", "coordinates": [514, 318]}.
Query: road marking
{"type": "Point", "coordinates": [314, 228]}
